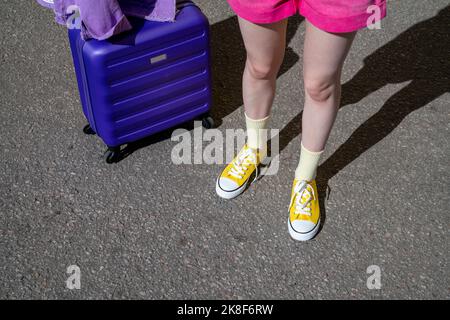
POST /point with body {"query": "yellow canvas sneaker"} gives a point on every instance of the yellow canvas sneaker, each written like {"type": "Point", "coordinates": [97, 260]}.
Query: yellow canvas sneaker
{"type": "Point", "coordinates": [304, 211]}
{"type": "Point", "coordinates": [235, 177]}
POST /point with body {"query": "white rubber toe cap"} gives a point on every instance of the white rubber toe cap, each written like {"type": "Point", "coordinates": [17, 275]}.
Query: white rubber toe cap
{"type": "Point", "coordinates": [302, 226]}
{"type": "Point", "coordinates": [303, 230]}
{"type": "Point", "coordinates": [227, 185]}
{"type": "Point", "coordinates": [228, 189]}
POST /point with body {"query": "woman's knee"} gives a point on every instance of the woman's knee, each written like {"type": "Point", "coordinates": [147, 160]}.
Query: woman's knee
{"type": "Point", "coordinates": [320, 89]}
{"type": "Point", "coordinates": [261, 70]}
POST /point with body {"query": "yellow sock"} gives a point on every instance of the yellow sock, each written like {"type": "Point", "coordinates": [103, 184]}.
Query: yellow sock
{"type": "Point", "coordinates": [307, 166]}
{"type": "Point", "coordinates": [256, 134]}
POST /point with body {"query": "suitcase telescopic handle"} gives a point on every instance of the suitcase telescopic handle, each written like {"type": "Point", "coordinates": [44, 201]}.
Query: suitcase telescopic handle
{"type": "Point", "coordinates": [184, 3]}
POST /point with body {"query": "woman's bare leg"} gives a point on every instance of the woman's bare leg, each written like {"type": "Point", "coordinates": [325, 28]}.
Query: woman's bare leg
{"type": "Point", "coordinates": [324, 56]}
{"type": "Point", "coordinates": [265, 45]}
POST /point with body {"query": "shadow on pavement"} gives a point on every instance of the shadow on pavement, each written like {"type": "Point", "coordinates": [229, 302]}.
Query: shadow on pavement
{"type": "Point", "coordinates": [418, 55]}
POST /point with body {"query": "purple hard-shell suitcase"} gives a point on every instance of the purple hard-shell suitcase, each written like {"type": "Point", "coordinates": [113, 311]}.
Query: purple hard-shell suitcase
{"type": "Point", "coordinates": [144, 81]}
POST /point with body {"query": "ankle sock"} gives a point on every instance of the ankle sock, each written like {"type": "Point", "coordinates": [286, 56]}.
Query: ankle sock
{"type": "Point", "coordinates": [256, 134]}
{"type": "Point", "coordinates": [307, 166]}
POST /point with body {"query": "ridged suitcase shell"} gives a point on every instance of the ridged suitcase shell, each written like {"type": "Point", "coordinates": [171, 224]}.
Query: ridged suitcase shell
{"type": "Point", "coordinates": [144, 81]}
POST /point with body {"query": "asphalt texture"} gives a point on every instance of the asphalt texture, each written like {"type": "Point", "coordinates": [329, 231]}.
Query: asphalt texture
{"type": "Point", "coordinates": [146, 228]}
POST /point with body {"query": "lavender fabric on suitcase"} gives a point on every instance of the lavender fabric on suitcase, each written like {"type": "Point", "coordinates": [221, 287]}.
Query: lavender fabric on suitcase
{"type": "Point", "coordinates": [102, 19]}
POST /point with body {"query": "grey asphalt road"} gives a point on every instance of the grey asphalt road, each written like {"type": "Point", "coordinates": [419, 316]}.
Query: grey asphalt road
{"type": "Point", "coordinates": [147, 228]}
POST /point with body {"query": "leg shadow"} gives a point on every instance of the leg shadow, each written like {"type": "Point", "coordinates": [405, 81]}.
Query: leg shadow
{"type": "Point", "coordinates": [418, 55]}
{"type": "Point", "coordinates": [427, 67]}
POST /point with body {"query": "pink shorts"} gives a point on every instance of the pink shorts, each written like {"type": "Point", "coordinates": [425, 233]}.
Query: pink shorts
{"type": "Point", "coordinates": [328, 15]}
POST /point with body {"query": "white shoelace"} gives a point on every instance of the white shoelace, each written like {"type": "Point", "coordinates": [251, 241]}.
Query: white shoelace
{"type": "Point", "coordinates": [242, 162]}
{"type": "Point", "coordinates": [301, 191]}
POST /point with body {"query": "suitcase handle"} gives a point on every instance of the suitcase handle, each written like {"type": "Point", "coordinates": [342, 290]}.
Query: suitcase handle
{"type": "Point", "coordinates": [184, 3]}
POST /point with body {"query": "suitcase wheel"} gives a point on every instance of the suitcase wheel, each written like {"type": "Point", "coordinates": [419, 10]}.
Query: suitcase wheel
{"type": "Point", "coordinates": [208, 122]}
{"type": "Point", "coordinates": [88, 130]}
{"type": "Point", "coordinates": [112, 155]}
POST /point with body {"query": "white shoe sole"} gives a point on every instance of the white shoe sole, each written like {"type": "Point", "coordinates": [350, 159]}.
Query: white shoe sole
{"type": "Point", "coordinates": [229, 194]}
{"type": "Point", "coordinates": [303, 236]}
